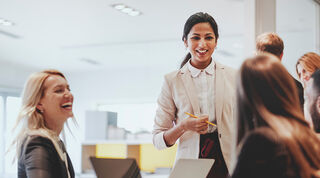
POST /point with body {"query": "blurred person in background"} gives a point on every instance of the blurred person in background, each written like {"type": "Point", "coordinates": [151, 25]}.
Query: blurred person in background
{"type": "Point", "coordinates": [312, 97]}
{"type": "Point", "coordinates": [306, 65]}
{"type": "Point", "coordinates": [272, 43]}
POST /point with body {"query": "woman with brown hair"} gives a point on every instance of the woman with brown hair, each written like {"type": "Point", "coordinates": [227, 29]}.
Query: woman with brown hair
{"type": "Point", "coordinates": [306, 65]}
{"type": "Point", "coordinates": [273, 138]}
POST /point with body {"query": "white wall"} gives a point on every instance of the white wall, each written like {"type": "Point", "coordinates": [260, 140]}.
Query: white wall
{"type": "Point", "coordinates": [136, 85]}
{"type": "Point", "coordinates": [13, 76]}
{"type": "Point", "coordinates": [297, 30]}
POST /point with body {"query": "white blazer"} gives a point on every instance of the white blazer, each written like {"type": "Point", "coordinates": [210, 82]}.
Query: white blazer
{"type": "Point", "coordinates": [178, 95]}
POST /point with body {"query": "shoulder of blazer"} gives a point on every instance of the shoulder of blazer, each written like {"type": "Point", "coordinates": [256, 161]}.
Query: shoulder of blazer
{"type": "Point", "coordinates": [38, 141]}
{"type": "Point", "coordinates": [228, 72]}
{"type": "Point", "coordinates": [172, 76]}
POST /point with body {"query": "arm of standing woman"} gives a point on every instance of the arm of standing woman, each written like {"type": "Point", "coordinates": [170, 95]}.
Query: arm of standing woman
{"type": "Point", "coordinates": [165, 132]}
{"type": "Point", "coordinates": [193, 124]}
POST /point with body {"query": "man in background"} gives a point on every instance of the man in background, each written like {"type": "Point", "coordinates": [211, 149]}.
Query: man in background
{"type": "Point", "coordinates": [272, 43]}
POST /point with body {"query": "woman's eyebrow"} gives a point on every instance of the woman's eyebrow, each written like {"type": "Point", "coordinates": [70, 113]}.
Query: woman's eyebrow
{"type": "Point", "coordinates": [197, 34]}
{"type": "Point", "coordinates": [59, 86]}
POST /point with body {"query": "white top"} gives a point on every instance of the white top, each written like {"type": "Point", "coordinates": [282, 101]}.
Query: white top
{"type": "Point", "coordinates": [203, 80]}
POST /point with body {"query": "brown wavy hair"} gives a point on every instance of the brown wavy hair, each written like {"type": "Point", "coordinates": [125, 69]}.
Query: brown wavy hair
{"type": "Point", "coordinates": [267, 97]}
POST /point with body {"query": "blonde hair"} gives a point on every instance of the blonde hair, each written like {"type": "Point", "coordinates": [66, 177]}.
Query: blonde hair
{"type": "Point", "coordinates": [309, 61]}
{"type": "Point", "coordinates": [31, 120]}
{"type": "Point", "coordinates": [271, 43]}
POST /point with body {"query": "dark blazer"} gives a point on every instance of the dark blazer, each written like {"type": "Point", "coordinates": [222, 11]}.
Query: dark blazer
{"type": "Point", "coordinates": [39, 159]}
{"type": "Point", "coordinates": [264, 155]}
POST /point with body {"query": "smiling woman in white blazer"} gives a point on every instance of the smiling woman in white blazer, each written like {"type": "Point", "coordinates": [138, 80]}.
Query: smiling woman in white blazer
{"type": "Point", "coordinates": [202, 87]}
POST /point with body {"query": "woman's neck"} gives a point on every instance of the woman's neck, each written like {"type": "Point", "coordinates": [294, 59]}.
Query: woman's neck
{"type": "Point", "coordinates": [200, 65]}
{"type": "Point", "coordinates": [54, 125]}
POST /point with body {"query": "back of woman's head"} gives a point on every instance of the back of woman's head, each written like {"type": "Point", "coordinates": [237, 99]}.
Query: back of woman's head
{"type": "Point", "coordinates": [194, 19]}
{"type": "Point", "coordinates": [265, 85]}
{"type": "Point", "coordinates": [309, 61]}
{"type": "Point", "coordinates": [267, 97]}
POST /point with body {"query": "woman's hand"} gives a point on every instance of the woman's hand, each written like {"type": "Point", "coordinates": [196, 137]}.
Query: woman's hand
{"type": "Point", "coordinates": [198, 125]}
{"type": "Point", "coordinates": [195, 124]}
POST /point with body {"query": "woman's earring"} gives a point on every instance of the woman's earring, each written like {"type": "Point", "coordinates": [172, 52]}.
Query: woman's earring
{"type": "Point", "coordinates": [40, 111]}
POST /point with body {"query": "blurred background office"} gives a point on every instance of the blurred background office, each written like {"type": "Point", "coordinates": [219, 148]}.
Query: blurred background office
{"type": "Point", "coordinates": [116, 52]}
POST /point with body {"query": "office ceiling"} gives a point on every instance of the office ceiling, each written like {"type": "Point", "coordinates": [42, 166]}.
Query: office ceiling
{"type": "Point", "coordinates": [84, 35]}
{"type": "Point", "coordinates": [81, 35]}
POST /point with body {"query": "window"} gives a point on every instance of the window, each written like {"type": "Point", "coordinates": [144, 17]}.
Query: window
{"type": "Point", "coordinates": [12, 109]}
{"type": "Point", "coordinates": [9, 107]}
{"type": "Point", "coordinates": [2, 124]}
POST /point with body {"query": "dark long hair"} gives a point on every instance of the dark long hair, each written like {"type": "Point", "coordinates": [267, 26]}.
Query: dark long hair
{"type": "Point", "coordinates": [267, 97]}
{"type": "Point", "coordinates": [194, 19]}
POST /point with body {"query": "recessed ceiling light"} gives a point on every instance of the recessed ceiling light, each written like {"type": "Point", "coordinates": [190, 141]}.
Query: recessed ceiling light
{"type": "Point", "coordinates": [126, 9]}
{"type": "Point", "coordinates": [134, 13]}
{"type": "Point", "coordinates": [119, 6]}
{"type": "Point", "coordinates": [6, 22]}
{"type": "Point", "coordinates": [90, 61]}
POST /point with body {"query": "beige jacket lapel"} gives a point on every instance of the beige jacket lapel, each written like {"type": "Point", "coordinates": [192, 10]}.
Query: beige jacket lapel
{"type": "Point", "coordinates": [219, 90]}
{"type": "Point", "coordinates": [190, 88]}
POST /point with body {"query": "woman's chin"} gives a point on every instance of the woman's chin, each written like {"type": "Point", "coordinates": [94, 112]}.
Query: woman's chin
{"type": "Point", "coordinates": [69, 115]}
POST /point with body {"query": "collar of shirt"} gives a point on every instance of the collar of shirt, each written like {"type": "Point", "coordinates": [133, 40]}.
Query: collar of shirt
{"type": "Point", "coordinates": [195, 72]}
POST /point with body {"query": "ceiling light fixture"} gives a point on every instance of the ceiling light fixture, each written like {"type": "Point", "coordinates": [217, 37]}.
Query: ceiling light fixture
{"type": "Point", "coordinates": [5, 22]}
{"type": "Point", "coordinates": [119, 6]}
{"type": "Point", "coordinates": [90, 61]}
{"type": "Point", "coordinates": [126, 9]}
